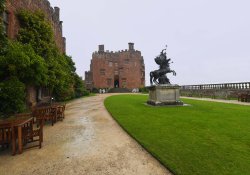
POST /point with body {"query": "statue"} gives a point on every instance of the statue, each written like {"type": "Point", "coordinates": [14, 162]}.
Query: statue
{"type": "Point", "coordinates": [159, 76]}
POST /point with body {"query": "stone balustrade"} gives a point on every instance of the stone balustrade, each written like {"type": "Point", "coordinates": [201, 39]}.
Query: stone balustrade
{"type": "Point", "coordinates": [223, 90]}
{"type": "Point", "coordinates": [244, 85]}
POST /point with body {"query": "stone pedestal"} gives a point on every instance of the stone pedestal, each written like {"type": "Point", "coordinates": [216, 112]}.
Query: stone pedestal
{"type": "Point", "coordinates": [164, 95]}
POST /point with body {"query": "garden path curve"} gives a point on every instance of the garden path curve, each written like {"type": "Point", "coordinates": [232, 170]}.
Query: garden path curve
{"type": "Point", "coordinates": [89, 142]}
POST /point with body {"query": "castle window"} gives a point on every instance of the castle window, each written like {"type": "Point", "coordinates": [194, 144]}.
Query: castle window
{"type": "Point", "coordinates": [102, 71]}
{"type": "Point", "coordinates": [110, 64]}
{"type": "Point", "coordinates": [142, 81]}
{"type": "Point", "coordinates": [121, 70]}
{"type": "Point", "coordinates": [116, 72]}
{"type": "Point", "coordinates": [126, 61]}
{"type": "Point", "coordinates": [5, 22]}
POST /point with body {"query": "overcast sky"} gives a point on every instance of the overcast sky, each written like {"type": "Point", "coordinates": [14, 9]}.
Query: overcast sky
{"type": "Point", "coordinates": [208, 40]}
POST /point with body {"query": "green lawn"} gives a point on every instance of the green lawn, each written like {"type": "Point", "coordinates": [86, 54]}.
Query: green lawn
{"type": "Point", "coordinates": [204, 138]}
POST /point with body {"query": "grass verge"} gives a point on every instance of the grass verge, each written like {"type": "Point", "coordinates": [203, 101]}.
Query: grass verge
{"type": "Point", "coordinates": [206, 138]}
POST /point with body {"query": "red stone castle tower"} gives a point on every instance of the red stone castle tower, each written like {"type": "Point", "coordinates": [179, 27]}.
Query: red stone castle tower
{"type": "Point", "coordinates": [122, 69]}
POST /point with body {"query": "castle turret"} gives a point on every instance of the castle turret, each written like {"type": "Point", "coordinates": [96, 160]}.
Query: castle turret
{"type": "Point", "coordinates": [57, 14]}
{"type": "Point", "coordinates": [131, 46]}
{"type": "Point", "coordinates": [101, 48]}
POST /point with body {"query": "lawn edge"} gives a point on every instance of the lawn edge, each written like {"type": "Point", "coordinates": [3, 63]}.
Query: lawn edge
{"type": "Point", "coordinates": [137, 141]}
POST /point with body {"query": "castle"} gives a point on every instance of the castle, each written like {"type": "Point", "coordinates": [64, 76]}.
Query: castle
{"type": "Point", "coordinates": [122, 69]}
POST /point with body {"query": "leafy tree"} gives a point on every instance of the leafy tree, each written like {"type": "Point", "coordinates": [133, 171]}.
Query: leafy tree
{"type": "Point", "coordinates": [12, 96]}
{"type": "Point", "coordinates": [2, 5]}
{"type": "Point", "coordinates": [36, 31]}
{"type": "Point", "coordinates": [35, 60]}
{"type": "Point", "coordinates": [22, 62]}
{"type": "Point", "coordinates": [80, 90]}
{"type": "Point", "coordinates": [3, 39]}
{"type": "Point", "coordinates": [63, 89]}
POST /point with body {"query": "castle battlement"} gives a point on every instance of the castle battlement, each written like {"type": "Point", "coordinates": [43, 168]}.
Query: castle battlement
{"type": "Point", "coordinates": [104, 54]}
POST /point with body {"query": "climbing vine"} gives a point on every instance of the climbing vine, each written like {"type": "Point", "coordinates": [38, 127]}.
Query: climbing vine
{"type": "Point", "coordinates": [37, 31]}
{"type": "Point", "coordinates": [34, 60]}
{"type": "Point", "coordinates": [3, 38]}
{"type": "Point", "coordinates": [2, 5]}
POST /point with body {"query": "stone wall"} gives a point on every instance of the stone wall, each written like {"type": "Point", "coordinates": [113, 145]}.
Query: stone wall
{"type": "Point", "coordinates": [222, 91]}
{"type": "Point", "coordinates": [124, 69]}
{"type": "Point", "coordinates": [52, 14]}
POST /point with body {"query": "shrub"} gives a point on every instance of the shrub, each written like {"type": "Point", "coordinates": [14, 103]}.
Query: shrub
{"type": "Point", "coordinates": [22, 62]}
{"type": "Point", "coordinates": [34, 60]}
{"type": "Point", "coordinates": [79, 87]}
{"type": "Point", "coordinates": [12, 96]}
{"type": "Point", "coordinates": [143, 90]}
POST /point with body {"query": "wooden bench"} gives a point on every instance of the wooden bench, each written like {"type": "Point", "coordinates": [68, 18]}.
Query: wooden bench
{"type": "Point", "coordinates": [48, 113]}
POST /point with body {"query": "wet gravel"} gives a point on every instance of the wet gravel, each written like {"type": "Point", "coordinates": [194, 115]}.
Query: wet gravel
{"type": "Point", "coordinates": [89, 142]}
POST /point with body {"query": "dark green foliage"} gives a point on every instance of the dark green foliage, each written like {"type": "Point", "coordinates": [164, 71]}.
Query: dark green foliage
{"type": "Point", "coordinates": [19, 65]}
{"type": "Point", "coordinates": [206, 138]}
{"type": "Point", "coordinates": [36, 31]}
{"type": "Point", "coordinates": [22, 62]}
{"type": "Point", "coordinates": [3, 39]}
{"type": "Point", "coordinates": [2, 5]}
{"type": "Point", "coordinates": [64, 82]}
{"type": "Point", "coordinates": [79, 87]}
{"type": "Point", "coordinates": [12, 96]}
{"type": "Point", "coordinates": [34, 60]}
{"type": "Point", "coordinates": [143, 90]}
{"type": "Point", "coordinates": [95, 90]}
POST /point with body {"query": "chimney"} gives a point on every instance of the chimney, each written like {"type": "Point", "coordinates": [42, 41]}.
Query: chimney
{"type": "Point", "coordinates": [131, 46]}
{"type": "Point", "coordinates": [101, 48]}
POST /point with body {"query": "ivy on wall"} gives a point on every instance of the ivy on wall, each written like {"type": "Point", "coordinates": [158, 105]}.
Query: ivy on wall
{"type": "Point", "coordinates": [3, 39]}
{"type": "Point", "coordinates": [34, 60]}
{"type": "Point", "coordinates": [2, 5]}
{"type": "Point", "coordinates": [38, 33]}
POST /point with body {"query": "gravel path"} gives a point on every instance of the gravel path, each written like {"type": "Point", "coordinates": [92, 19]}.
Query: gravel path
{"type": "Point", "coordinates": [87, 142]}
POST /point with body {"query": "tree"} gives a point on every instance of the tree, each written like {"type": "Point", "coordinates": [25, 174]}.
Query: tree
{"type": "Point", "coordinates": [37, 32]}
{"type": "Point", "coordinates": [2, 5]}
{"type": "Point", "coordinates": [3, 39]}
{"type": "Point", "coordinates": [12, 96]}
{"type": "Point", "coordinates": [79, 87]}
{"type": "Point", "coordinates": [34, 60]}
{"type": "Point", "coordinates": [22, 62]}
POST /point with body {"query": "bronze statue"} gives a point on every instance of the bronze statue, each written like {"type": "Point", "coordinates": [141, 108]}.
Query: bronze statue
{"type": "Point", "coordinates": [159, 76]}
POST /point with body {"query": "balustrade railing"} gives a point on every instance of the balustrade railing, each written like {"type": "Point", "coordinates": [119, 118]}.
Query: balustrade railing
{"type": "Point", "coordinates": [236, 86]}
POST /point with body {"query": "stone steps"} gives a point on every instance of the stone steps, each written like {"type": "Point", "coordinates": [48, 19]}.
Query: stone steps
{"type": "Point", "coordinates": [119, 90]}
